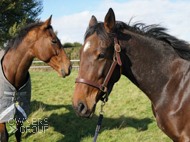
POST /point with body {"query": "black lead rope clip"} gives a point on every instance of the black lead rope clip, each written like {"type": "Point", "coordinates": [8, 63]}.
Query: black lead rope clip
{"type": "Point", "coordinates": [99, 122]}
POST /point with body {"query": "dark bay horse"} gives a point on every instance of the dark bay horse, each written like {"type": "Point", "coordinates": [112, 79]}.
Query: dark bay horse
{"type": "Point", "coordinates": [34, 40]}
{"type": "Point", "coordinates": [153, 60]}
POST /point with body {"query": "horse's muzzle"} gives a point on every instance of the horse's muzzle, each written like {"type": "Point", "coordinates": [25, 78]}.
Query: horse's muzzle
{"type": "Point", "coordinates": [66, 73]}
{"type": "Point", "coordinates": [82, 110]}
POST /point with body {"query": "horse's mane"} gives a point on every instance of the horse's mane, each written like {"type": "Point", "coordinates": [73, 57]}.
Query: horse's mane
{"type": "Point", "coordinates": [155, 31]}
{"type": "Point", "coordinates": [14, 43]}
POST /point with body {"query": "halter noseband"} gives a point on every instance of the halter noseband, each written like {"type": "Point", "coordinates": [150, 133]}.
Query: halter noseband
{"type": "Point", "coordinates": [103, 87]}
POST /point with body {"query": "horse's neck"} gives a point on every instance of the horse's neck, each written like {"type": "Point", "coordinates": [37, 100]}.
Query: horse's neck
{"type": "Point", "coordinates": [16, 64]}
{"type": "Point", "coordinates": [151, 62]}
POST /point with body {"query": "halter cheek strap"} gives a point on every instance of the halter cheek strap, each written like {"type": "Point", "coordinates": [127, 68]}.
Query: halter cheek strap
{"type": "Point", "coordinates": [103, 87]}
{"type": "Point", "coordinates": [117, 51]}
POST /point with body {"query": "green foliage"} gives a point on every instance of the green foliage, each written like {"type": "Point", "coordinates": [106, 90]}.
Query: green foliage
{"type": "Point", "coordinates": [13, 31]}
{"type": "Point", "coordinates": [75, 44]}
{"type": "Point", "coordinates": [67, 45]}
{"type": "Point", "coordinates": [73, 52]}
{"type": "Point", "coordinates": [127, 114]}
{"type": "Point", "coordinates": [13, 15]}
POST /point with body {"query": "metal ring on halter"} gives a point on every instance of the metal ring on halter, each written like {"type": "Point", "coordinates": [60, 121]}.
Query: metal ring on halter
{"type": "Point", "coordinates": [117, 47]}
{"type": "Point", "coordinates": [105, 97]}
{"type": "Point", "coordinates": [104, 88]}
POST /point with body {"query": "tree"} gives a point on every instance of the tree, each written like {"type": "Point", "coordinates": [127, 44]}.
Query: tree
{"type": "Point", "coordinates": [14, 14]}
{"type": "Point", "coordinates": [77, 44]}
{"type": "Point", "coordinates": [68, 44]}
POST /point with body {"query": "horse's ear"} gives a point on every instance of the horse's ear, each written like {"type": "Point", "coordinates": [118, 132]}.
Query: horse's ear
{"type": "Point", "coordinates": [109, 21]}
{"type": "Point", "coordinates": [46, 23]}
{"type": "Point", "coordinates": [93, 21]}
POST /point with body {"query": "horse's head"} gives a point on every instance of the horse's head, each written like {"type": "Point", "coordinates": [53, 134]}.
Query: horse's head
{"type": "Point", "coordinates": [48, 48]}
{"type": "Point", "coordinates": [96, 58]}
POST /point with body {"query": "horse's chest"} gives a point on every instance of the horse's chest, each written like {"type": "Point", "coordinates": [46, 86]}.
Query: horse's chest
{"type": "Point", "coordinates": [169, 124]}
{"type": "Point", "coordinates": [13, 101]}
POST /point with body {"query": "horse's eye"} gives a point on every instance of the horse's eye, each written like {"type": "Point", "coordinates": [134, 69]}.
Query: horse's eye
{"type": "Point", "coordinates": [101, 56]}
{"type": "Point", "coordinates": [54, 41]}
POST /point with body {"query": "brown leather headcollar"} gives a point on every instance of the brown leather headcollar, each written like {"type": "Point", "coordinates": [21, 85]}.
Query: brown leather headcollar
{"type": "Point", "coordinates": [103, 86]}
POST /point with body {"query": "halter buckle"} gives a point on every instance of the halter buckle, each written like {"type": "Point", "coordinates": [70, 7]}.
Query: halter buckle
{"type": "Point", "coordinates": [117, 47]}
{"type": "Point", "coordinates": [104, 89]}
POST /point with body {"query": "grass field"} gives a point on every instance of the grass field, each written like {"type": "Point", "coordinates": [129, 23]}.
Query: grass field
{"type": "Point", "coordinates": [128, 116]}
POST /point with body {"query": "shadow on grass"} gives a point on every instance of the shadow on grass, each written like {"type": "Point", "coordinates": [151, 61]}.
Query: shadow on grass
{"type": "Point", "coordinates": [75, 128]}
{"type": "Point", "coordinates": [35, 105]}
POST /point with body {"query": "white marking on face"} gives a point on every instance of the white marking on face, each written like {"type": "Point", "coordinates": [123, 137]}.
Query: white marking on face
{"type": "Point", "coordinates": [87, 46]}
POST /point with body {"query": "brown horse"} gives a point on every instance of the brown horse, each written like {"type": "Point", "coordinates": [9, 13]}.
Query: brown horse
{"type": "Point", "coordinates": [34, 40]}
{"type": "Point", "coordinates": [155, 61]}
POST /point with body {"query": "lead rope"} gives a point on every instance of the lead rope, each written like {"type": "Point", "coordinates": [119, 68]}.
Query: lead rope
{"type": "Point", "coordinates": [99, 122]}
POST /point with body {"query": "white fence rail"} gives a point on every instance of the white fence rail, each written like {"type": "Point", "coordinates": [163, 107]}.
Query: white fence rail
{"type": "Point", "coordinates": [35, 67]}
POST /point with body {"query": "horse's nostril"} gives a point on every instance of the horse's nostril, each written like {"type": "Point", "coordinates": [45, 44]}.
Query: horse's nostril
{"type": "Point", "coordinates": [70, 68]}
{"type": "Point", "coordinates": [82, 108]}
{"type": "Point", "coordinates": [63, 73]}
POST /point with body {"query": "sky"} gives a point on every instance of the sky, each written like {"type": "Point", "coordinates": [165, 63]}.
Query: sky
{"type": "Point", "coordinates": [71, 17]}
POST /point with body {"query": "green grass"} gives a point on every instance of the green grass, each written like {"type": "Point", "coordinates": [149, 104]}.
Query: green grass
{"type": "Point", "coordinates": [128, 116]}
